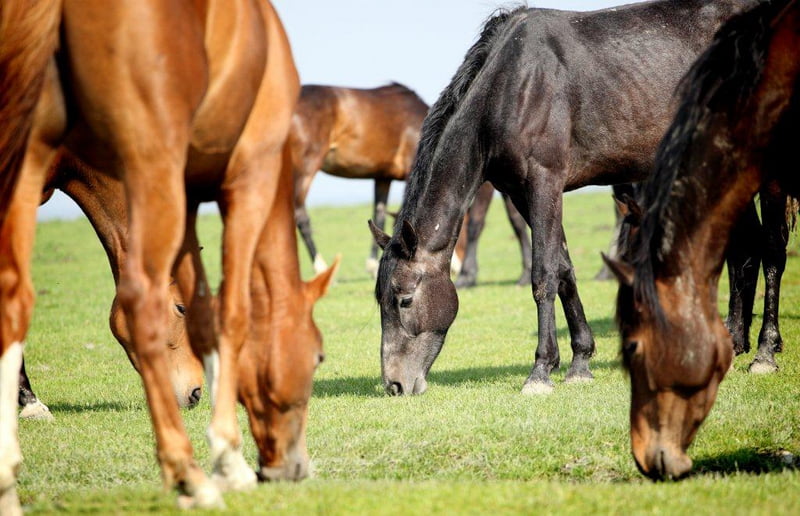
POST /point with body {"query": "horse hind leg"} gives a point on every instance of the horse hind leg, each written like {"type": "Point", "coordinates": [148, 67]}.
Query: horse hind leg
{"type": "Point", "coordinates": [521, 231]}
{"type": "Point", "coordinates": [476, 219]}
{"type": "Point", "coordinates": [776, 233]}
{"type": "Point", "coordinates": [32, 407]}
{"type": "Point", "coordinates": [379, 217]}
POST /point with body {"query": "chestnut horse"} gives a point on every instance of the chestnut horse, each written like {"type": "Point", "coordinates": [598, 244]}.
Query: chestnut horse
{"type": "Point", "coordinates": [734, 134]}
{"type": "Point", "coordinates": [545, 101]}
{"type": "Point", "coordinates": [102, 200]}
{"type": "Point", "coordinates": [207, 108]}
{"type": "Point", "coordinates": [357, 134]}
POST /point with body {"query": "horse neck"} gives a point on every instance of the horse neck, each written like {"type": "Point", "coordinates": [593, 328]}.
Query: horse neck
{"type": "Point", "coordinates": [437, 199]}
{"type": "Point", "coordinates": [102, 200]}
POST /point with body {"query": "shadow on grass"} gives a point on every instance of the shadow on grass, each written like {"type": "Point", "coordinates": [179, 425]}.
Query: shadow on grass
{"type": "Point", "coordinates": [98, 406]}
{"type": "Point", "coordinates": [746, 460]}
{"type": "Point", "coordinates": [370, 386]}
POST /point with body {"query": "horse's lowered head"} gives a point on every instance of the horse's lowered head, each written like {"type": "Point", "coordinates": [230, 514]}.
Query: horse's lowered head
{"type": "Point", "coordinates": [185, 369]}
{"type": "Point", "coordinates": [676, 350]}
{"type": "Point", "coordinates": [276, 370]}
{"type": "Point", "coordinates": [418, 303]}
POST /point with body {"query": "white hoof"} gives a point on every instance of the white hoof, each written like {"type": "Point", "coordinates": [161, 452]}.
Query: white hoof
{"type": "Point", "coordinates": [207, 496]}
{"type": "Point", "coordinates": [537, 389]}
{"type": "Point", "coordinates": [319, 264]}
{"type": "Point", "coordinates": [230, 471]}
{"type": "Point", "coordinates": [9, 502]}
{"type": "Point", "coordinates": [759, 367]}
{"type": "Point", "coordinates": [372, 267]}
{"type": "Point", "coordinates": [36, 410]}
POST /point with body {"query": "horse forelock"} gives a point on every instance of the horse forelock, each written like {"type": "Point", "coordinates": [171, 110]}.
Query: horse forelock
{"type": "Point", "coordinates": [447, 104]}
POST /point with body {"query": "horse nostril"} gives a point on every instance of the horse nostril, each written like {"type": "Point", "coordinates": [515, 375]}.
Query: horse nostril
{"type": "Point", "coordinates": [394, 389]}
{"type": "Point", "coordinates": [194, 397]}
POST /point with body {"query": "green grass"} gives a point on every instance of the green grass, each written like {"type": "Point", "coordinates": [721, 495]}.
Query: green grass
{"type": "Point", "coordinates": [472, 444]}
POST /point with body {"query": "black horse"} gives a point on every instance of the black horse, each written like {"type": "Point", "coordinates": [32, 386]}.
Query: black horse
{"type": "Point", "coordinates": [545, 101]}
{"type": "Point", "coordinates": [735, 134]}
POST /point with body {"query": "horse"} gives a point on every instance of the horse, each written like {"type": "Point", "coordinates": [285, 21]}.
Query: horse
{"type": "Point", "coordinates": [733, 135]}
{"type": "Point", "coordinates": [545, 101]}
{"type": "Point", "coordinates": [357, 134]}
{"type": "Point", "coordinates": [207, 109]}
{"type": "Point", "coordinates": [102, 200]}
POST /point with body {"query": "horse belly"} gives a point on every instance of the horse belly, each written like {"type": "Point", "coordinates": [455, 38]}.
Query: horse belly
{"type": "Point", "coordinates": [355, 163]}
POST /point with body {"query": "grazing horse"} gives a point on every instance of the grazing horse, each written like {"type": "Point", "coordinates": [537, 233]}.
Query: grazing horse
{"type": "Point", "coordinates": [545, 101]}
{"type": "Point", "coordinates": [102, 200]}
{"type": "Point", "coordinates": [207, 109]}
{"type": "Point", "coordinates": [357, 134]}
{"type": "Point", "coordinates": [734, 134]}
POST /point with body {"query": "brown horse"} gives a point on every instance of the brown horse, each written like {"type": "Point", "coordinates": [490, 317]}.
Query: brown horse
{"type": "Point", "coordinates": [102, 200]}
{"type": "Point", "coordinates": [206, 112]}
{"type": "Point", "coordinates": [734, 134]}
{"type": "Point", "coordinates": [357, 134]}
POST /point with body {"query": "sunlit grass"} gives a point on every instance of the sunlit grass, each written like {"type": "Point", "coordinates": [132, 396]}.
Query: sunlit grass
{"type": "Point", "coordinates": [472, 444]}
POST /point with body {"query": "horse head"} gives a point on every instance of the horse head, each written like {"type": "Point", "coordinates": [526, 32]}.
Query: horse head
{"type": "Point", "coordinates": [677, 352]}
{"type": "Point", "coordinates": [418, 303]}
{"type": "Point", "coordinates": [276, 370]}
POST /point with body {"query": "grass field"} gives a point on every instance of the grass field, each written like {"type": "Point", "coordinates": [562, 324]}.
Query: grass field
{"type": "Point", "coordinates": [471, 445]}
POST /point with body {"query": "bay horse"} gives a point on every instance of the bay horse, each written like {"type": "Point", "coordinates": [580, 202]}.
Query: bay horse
{"type": "Point", "coordinates": [356, 134]}
{"type": "Point", "coordinates": [102, 199]}
{"type": "Point", "coordinates": [734, 134]}
{"type": "Point", "coordinates": [207, 108]}
{"type": "Point", "coordinates": [545, 101]}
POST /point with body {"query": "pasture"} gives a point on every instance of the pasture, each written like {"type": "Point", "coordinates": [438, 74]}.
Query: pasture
{"type": "Point", "coordinates": [472, 444]}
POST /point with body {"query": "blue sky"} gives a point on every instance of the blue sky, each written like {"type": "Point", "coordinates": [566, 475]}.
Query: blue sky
{"type": "Point", "coordinates": [366, 43]}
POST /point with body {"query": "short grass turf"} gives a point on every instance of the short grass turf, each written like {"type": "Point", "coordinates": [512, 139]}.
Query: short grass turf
{"type": "Point", "coordinates": [471, 445]}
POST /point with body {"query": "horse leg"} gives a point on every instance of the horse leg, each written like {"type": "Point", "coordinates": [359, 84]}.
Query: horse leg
{"type": "Point", "coordinates": [581, 338]}
{"type": "Point", "coordinates": [303, 221]}
{"type": "Point", "coordinates": [521, 230]}
{"type": "Point", "coordinates": [776, 233]}
{"type": "Point", "coordinates": [545, 208]}
{"type": "Point", "coordinates": [244, 206]}
{"type": "Point", "coordinates": [476, 219]}
{"type": "Point", "coordinates": [32, 408]}
{"type": "Point", "coordinates": [16, 308]}
{"type": "Point", "coordinates": [379, 217]}
{"type": "Point", "coordinates": [743, 257]}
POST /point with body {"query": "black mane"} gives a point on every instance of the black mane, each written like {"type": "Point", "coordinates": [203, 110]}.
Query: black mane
{"type": "Point", "coordinates": [717, 85]}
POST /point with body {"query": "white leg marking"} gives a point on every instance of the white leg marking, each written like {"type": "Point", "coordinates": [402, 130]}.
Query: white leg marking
{"type": "Point", "coordinates": [455, 265]}
{"type": "Point", "coordinates": [230, 470]}
{"type": "Point", "coordinates": [10, 455]}
{"type": "Point", "coordinates": [319, 264]}
{"type": "Point", "coordinates": [211, 367]}
{"type": "Point", "coordinates": [36, 410]}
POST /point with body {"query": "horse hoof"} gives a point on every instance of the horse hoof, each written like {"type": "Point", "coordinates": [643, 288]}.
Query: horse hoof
{"type": "Point", "coordinates": [762, 367]}
{"type": "Point", "coordinates": [231, 472]}
{"type": "Point", "coordinates": [37, 410]}
{"type": "Point", "coordinates": [579, 377]}
{"type": "Point", "coordinates": [207, 496]}
{"type": "Point", "coordinates": [9, 502]}
{"type": "Point", "coordinates": [319, 264]}
{"type": "Point", "coordinates": [537, 389]}
{"type": "Point", "coordinates": [372, 267]}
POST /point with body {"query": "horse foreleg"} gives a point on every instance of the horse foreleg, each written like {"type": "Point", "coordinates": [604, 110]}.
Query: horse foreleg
{"type": "Point", "coordinates": [521, 231]}
{"type": "Point", "coordinates": [545, 207]}
{"type": "Point", "coordinates": [581, 337]}
{"type": "Point", "coordinates": [743, 258]}
{"type": "Point", "coordinates": [776, 236]}
{"type": "Point", "coordinates": [476, 219]}
{"type": "Point", "coordinates": [31, 407]}
{"type": "Point", "coordinates": [379, 217]}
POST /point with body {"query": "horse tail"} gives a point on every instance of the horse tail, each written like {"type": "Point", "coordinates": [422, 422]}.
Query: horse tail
{"type": "Point", "coordinates": [450, 98]}
{"type": "Point", "coordinates": [28, 38]}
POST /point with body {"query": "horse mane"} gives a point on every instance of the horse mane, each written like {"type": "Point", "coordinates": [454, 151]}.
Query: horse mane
{"type": "Point", "coordinates": [447, 104]}
{"type": "Point", "coordinates": [718, 84]}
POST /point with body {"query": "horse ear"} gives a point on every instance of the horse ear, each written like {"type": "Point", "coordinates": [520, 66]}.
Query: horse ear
{"type": "Point", "coordinates": [318, 286]}
{"type": "Point", "coordinates": [381, 238]}
{"type": "Point", "coordinates": [633, 212]}
{"type": "Point", "coordinates": [623, 271]}
{"type": "Point", "coordinates": [408, 239]}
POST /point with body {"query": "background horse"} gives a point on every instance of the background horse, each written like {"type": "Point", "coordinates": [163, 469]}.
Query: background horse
{"type": "Point", "coordinates": [357, 134]}
{"type": "Point", "coordinates": [545, 101]}
{"type": "Point", "coordinates": [734, 134]}
{"type": "Point", "coordinates": [208, 122]}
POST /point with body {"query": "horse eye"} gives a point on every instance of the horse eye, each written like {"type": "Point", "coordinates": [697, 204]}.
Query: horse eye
{"type": "Point", "coordinates": [405, 301]}
{"type": "Point", "coordinates": [629, 348]}
{"type": "Point", "coordinates": [181, 309]}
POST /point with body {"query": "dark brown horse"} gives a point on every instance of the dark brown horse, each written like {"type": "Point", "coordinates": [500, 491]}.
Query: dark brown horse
{"type": "Point", "coordinates": [357, 134]}
{"type": "Point", "coordinates": [545, 101]}
{"type": "Point", "coordinates": [207, 109]}
{"type": "Point", "coordinates": [734, 134]}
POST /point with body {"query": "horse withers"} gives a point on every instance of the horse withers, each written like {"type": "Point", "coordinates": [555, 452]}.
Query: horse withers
{"type": "Point", "coordinates": [545, 101]}
{"type": "Point", "coordinates": [734, 134]}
